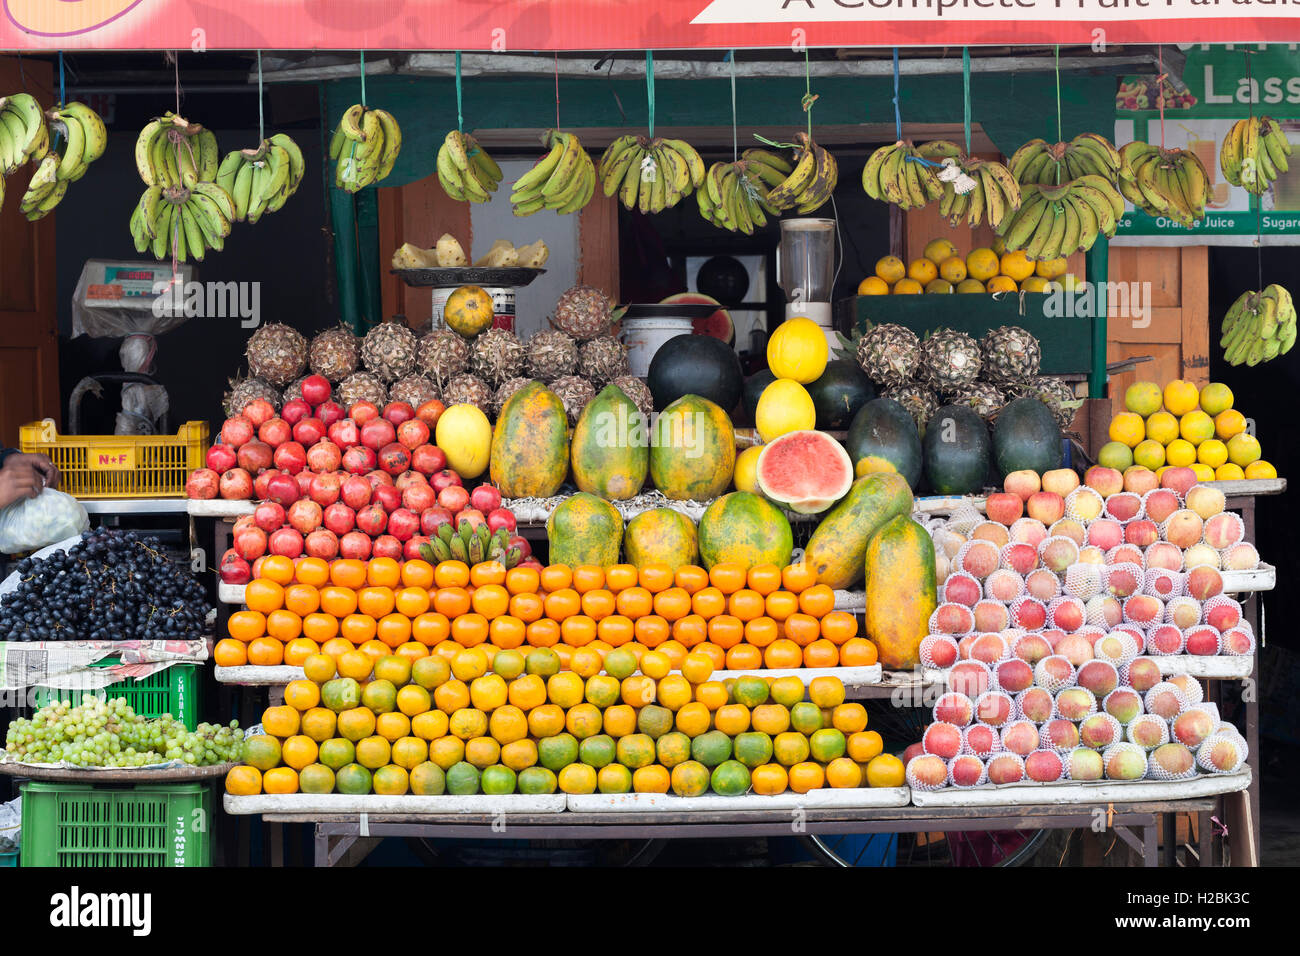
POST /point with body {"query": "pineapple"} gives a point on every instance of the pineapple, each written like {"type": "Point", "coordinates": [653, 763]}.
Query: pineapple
{"type": "Point", "coordinates": [583, 312]}
{"type": "Point", "coordinates": [920, 402]}
{"type": "Point", "coordinates": [552, 354]}
{"type": "Point", "coordinates": [359, 387]}
{"type": "Point", "coordinates": [890, 354]}
{"type": "Point", "coordinates": [276, 353]}
{"type": "Point", "coordinates": [1056, 394]}
{"type": "Point", "coordinates": [442, 355]}
{"type": "Point", "coordinates": [575, 393]}
{"type": "Point", "coordinates": [243, 391]}
{"type": "Point", "coordinates": [414, 389]}
{"type": "Point", "coordinates": [468, 390]}
{"type": "Point", "coordinates": [602, 360]}
{"type": "Point", "coordinates": [503, 393]}
{"type": "Point", "coordinates": [637, 390]}
{"type": "Point", "coordinates": [1010, 354]}
{"type": "Point", "coordinates": [987, 399]}
{"type": "Point", "coordinates": [950, 360]}
{"type": "Point", "coordinates": [497, 355]}
{"type": "Point", "coordinates": [388, 351]}
{"type": "Point", "coordinates": [334, 354]}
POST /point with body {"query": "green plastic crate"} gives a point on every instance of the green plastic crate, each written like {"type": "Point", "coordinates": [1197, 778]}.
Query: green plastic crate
{"type": "Point", "coordinates": [172, 691]}
{"type": "Point", "coordinates": [8, 859]}
{"type": "Point", "coordinates": [150, 825]}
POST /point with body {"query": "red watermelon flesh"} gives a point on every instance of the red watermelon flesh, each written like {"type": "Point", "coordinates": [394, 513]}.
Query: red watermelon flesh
{"type": "Point", "coordinates": [807, 471]}
{"type": "Point", "coordinates": [718, 325]}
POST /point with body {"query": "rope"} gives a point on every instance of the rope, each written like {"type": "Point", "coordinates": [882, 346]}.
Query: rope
{"type": "Point", "coordinates": [62, 90]}
{"type": "Point", "coordinates": [650, 88]}
{"type": "Point", "coordinates": [557, 91]}
{"type": "Point", "coordinates": [460, 109]}
{"type": "Point", "coordinates": [1160, 90]}
{"type": "Point", "coordinates": [261, 119]}
{"type": "Point", "coordinates": [363, 77]}
{"type": "Point", "coordinates": [1059, 135]}
{"type": "Point", "coordinates": [965, 91]}
{"type": "Point", "coordinates": [898, 117]}
{"type": "Point", "coordinates": [808, 98]}
{"type": "Point", "coordinates": [1257, 200]}
{"type": "Point", "coordinates": [735, 146]}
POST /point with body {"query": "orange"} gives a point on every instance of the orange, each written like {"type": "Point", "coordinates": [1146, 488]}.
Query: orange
{"type": "Point", "coordinates": [280, 780]}
{"type": "Point", "coordinates": [469, 630]}
{"type": "Point", "coordinates": [650, 779]}
{"type": "Point", "coordinates": [771, 719]}
{"type": "Point", "coordinates": [430, 628]}
{"type": "Point", "coordinates": [383, 572]}
{"type": "Point", "coordinates": [693, 719]}
{"type": "Point", "coordinates": [620, 577]}
{"type": "Point", "coordinates": [585, 662]}
{"type": "Point", "coordinates": [843, 773]}
{"type": "Point", "coordinates": [806, 776]}
{"type": "Point", "coordinates": [336, 646]}
{"type": "Point", "coordinates": [490, 600]}
{"type": "Point", "coordinates": [526, 605]}
{"type": "Point", "coordinates": [230, 653]}
{"type": "Point", "coordinates": [588, 577]}
{"type": "Point", "coordinates": [244, 781]}
{"type": "Point", "coordinates": [763, 578]}
{"type": "Point", "coordinates": [298, 650]}
{"type": "Point", "coordinates": [712, 694]}
{"type": "Point", "coordinates": [283, 625]}
{"type": "Point", "coordinates": [417, 573]}
{"type": "Point", "coordinates": [506, 632]}
{"type": "Point", "coordinates": [726, 631]}
{"type": "Point", "coordinates": [543, 633]}
{"type": "Point", "coordinates": [546, 720]}
{"type": "Point", "coordinates": [487, 572]}
{"type": "Point", "coordinates": [320, 627]}
{"type": "Point", "coordinates": [412, 651]}
{"type": "Point", "coordinates": [728, 577]}
{"type": "Point", "coordinates": [651, 631]}
{"type": "Point", "coordinates": [374, 649]}
{"type": "Point", "coordinates": [849, 719]}
{"type": "Point", "coordinates": [615, 630]}
{"type": "Point", "coordinates": [451, 574]}
{"type": "Point", "coordinates": [469, 664]}
{"type": "Point", "coordinates": [732, 719]}
{"type": "Point", "coordinates": [302, 599]}
{"type": "Point", "coordinates": [781, 604]}
{"type": "Point", "coordinates": [690, 630]}
{"type": "Point", "coordinates": [656, 664]}
{"type": "Point", "coordinates": [782, 654]}
{"type": "Point", "coordinates": [634, 602]}
{"type": "Point", "coordinates": [798, 577]}
{"type": "Point", "coordinates": [356, 665]}
{"type": "Point", "coordinates": [451, 696]}
{"type": "Point", "coordinates": [821, 653]}
{"type": "Point", "coordinates": [691, 578]}
{"type": "Point", "coordinates": [655, 577]}
{"type": "Point", "coordinates": [265, 652]}
{"type": "Point", "coordinates": [246, 625]}
{"type": "Point", "coordinates": [577, 631]}
{"type": "Point", "coordinates": [298, 751]}
{"type": "Point", "coordinates": [744, 657]}
{"type": "Point", "coordinates": [412, 601]}
{"type": "Point", "coordinates": [708, 602]}
{"type": "Point", "coordinates": [714, 653]}
{"type": "Point", "coordinates": [280, 721]}
{"type": "Point", "coordinates": [338, 601]}
{"type": "Point", "coordinates": [527, 692]}
{"type": "Point", "coordinates": [598, 603]}
{"type": "Point", "coordinates": [674, 692]}
{"type": "Point", "coordinates": [858, 652]}
{"type": "Point", "coordinates": [769, 779]}
{"type": "Point", "coordinates": [313, 571]}
{"type": "Point", "coordinates": [817, 601]}
{"type": "Point", "coordinates": [507, 724]}
{"type": "Point", "coordinates": [376, 601]}
{"type": "Point", "coordinates": [620, 721]}
{"type": "Point", "coordinates": [348, 573]}
{"type": "Point", "coordinates": [672, 603]}
{"type": "Point", "coordinates": [556, 577]}
{"type": "Point", "coordinates": [697, 667]}
{"type": "Point", "coordinates": [826, 691]}
{"type": "Point", "coordinates": [885, 770]}
{"type": "Point", "coordinates": [864, 746]}
{"type": "Point", "coordinates": [803, 629]}
{"type": "Point", "coordinates": [523, 580]}
{"type": "Point", "coordinates": [761, 632]}
{"type": "Point", "coordinates": [358, 628]}
{"type": "Point", "coordinates": [277, 568]}
{"type": "Point", "coordinates": [745, 604]}
{"type": "Point", "coordinates": [638, 690]}
{"type": "Point", "coordinates": [839, 627]}
{"type": "Point", "coordinates": [394, 630]}
{"type": "Point", "coordinates": [562, 603]}
{"type": "Point", "coordinates": [262, 594]}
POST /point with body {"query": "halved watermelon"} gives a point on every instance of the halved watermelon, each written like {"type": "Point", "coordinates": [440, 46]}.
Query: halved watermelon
{"type": "Point", "coordinates": [807, 471]}
{"type": "Point", "coordinates": [718, 325]}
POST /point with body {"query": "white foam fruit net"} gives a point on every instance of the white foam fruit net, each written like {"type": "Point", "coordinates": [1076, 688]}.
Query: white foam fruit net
{"type": "Point", "coordinates": [1165, 639]}
{"type": "Point", "coordinates": [1083, 581]}
{"type": "Point", "coordinates": [985, 555]}
{"type": "Point", "coordinates": [951, 618]}
{"type": "Point", "coordinates": [1242, 648]}
{"type": "Point", "coordinates": [1221, 601]}
{"type": "Point", "coordinates": [981, 740]}
{"type": "Point", "coordinates": [971, 678]}
{"type": "Point", "coordinates": [1123, 747]}
{"type": "Point", "coordinates": [1164, 584]}
{"type": "Point", "coordinates": [995, 708]}
{"type": "Point", "coordinates": [967, 770]}
{"type": "Point", "coordinates": [1004, 585]}
{"type": "Point", "coordinates": [1034, 704]}
{"type": "Point", "coordinates": [952, 701]}
{"type": "Point", "coordinates": [1128, 648]}
{"type": "Point", "coordinates": [1154, 730]}
{"type": "Point", "coordinates": [1182, 608]}
{"type": "Point", "coordinates": [1083, 503]}
{"type": "Point", "coordinates": [1002, 761]}
{"type": "Point", "coordinates": [1054, 676]}
{"type": "Point", "coordinates": [1228, 529]}
{"type": "Point", "coordinates": [1019, 557]}
{"type": "Point", "coordinates": [965, 518]}
{"type": "Point", "coordinates": [929, 643]}
{"type": "Point", "coordinates": [1167, 763]}
{"type": "Point", "coordinates": [1075, 694]}
{"type": "Point", "coordinates": [1062, 551]}
{"type": "Point", "coordinates": [916, 783]}
{"type": "Point", "coordinates": [1114, 501]}
{"type": "Point", "coordinates": [1060, 734]}
{"type": "Point", "coordinates": [1192, 690]}
{"type": "Point", "coordinates": [1124, 554]}
{"type": "Point", "coordinates": [1048, 766]}
{"type": "Point", "coordinates": [958, 577]}
{"type": "Point", "coordinates": [1165, 699]}
{"type": "Point", "coordinates": [1199, 648]}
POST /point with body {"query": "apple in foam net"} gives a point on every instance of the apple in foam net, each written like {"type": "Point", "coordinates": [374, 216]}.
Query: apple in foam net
{"type": "Point", "coordinates": [1044, 766]}
{"type": "Point", "coordinates": [1045, 506]}
{"type": "Point", "coordinates": [1143, 674]}
{"type": "Point", "coordinates": [1162, 554]}
{"type": "Point", "coordinates": [1084, 504]}
{"type": "Point", "coordinates": [1124, 763]}
{"type": "Point", "coordinates": [1020, 737]}
{"type": "Point", "coordinates": [1192, 726]}
{"type": "Point", "coordinates": [1237, 642]}
{"type": "Point", "coordinates": [1184, 528]}
{"type": "Point", "coordinates": [942, 740]}
{"type": "Point", "coordinates": [991, 531]}
{"type": "Point", "coordinates": [1030, 531]}
{"type": "Point", "coordinates": [954, 708]}
{"type": "Point", "coordinates": [1060, 734]}
{"type": "Point", "coordinates": [1035, 704]}
{"type": "Point", "coordinates": [1032, 648]}
{"type": "Point", "coordinates": [1206, 501]}
{"type": "Point", "coordinates": [966, 770]}
{"type": "Point", "coordinates": [1068, 616]}
{"type": "Point", "coordinates": [1100, 677]}
{"type": "Point", "coordinates": [1223, 617]}
{"type": "Point", "coordinates": [1161, 504]}
{"type": "Point", "coordinates": [994, 708]}
{"type": "Point", "coordinates": [1084, 764]}
{"type": "Point", "coordinates": [1181, 480]}
{"type": "Point", "coordinates": [991, 616]}
{"type": "Point", "coordinates": [1222, 530]}
{"type": "Point", "coordinates": [1004, 586]}
{"type": "Point", "coordinates": [961, 589]}
{"type": "Point", "coordinates": [1123, 703]}
{"type": "Point", "coordinates": [1015, 675]}
{"type": "Point", "coordinates": [1141, 532]}
{"type": "Point", "coordinates": [1105, 481]}
{"type": "Point", "coordinates": [969, 677]}
{"type": "Point", "coordinates": [1022, 483]}
{"type": "Point", "coordinates": [982, 740]}
{"type": "Point", "coordinates": [1069, 528]}
{"type": "Point", "coordinates": [1042, 584]}
{"type": "Point", "coordinates": [1148, 733]}
{"type": "Point", "coordinates": [1241, 557]}
{"type": "Point", "coordinates": [1099, 731]}
{"type": "Point", "coordinates": [1174, 759]}
{"type": "Point", "coordinates": [928, 770]}
{"type": "Point", "coordinates": [1005, 768]}
{"type": "Point", "coordinates": [1058, 554]}
{"type": "Point", "coordinates": [1224, 754]}
{"type": "Point", "coordinates": [1075, 703]}
{"type": "Point", "coordinates": [1200, 555]}
{"type": "Point", "coordinates": [1004, 507]}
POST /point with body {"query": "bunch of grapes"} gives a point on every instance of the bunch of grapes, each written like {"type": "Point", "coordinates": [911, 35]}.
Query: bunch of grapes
{"type": "Point", "coordinates": [113, 586]}
{"type": "Point", "coordinates": [109, 733]}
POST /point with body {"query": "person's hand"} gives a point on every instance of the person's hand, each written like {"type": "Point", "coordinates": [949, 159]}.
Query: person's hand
{"type": "Point", "coordinates": [41, 463]}
{"type": "Point", "coordinates": [18, 482]}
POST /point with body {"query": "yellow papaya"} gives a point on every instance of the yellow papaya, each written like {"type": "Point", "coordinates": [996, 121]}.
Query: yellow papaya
{"type": "Point", "coordinates": [584, 529]}
{"type": "Point", "coordinates": [837, 549]}
{"type": "Point", "coordinates": [530, 444]}
{"type": "Point", "coordinates": [901, 593]}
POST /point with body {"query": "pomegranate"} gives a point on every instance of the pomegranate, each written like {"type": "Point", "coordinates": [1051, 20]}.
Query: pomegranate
{"type": "Point", "coordinates": [275, 432]}
{"type": "Point", "coordinates": [258, 410]}
{"type": "Point", "coordinates": [372, 520]}
{"type": "Point", "coordinates": [304, 479]}
{"type": "Point", "coordinates": [286, 541]}
{"type": "Point", "coordinates": [261, 482]}
{"type": "Point", "coordinates": [499, 518]}
{"type": "Point", "coordinates": [403, 523]}
{"type": "Point", "coordinates": [408, 478]}
{"type": "Point", "coordinates": [472, 515]}
{"type": "Point", "coordinates": [358, 460]}
{"type": "Point", "coordinates": [235, 485]}
{"type": "Point", "coordinates": [356, 492]}
{"type": "Point", "coordinates": [530, 562]}
{"type": "Point", "coordinates": [204, 483]}
{"type": "Point", "coordinates": [377, 433]}
{"type": "Point", "coordinates": [330, 412]}
{"type": "Point", "coordinates": [454, 498]}
{"type": "Point", "coordinates": [428, 459]}
{"type": "Point", "coordinates": [325, 489]}
{"type": "Point", "coordinates": [386, 546]}
{"type": "Point", "coordinates": [235, 569]}
{"type": "Point", "coordinates": [255, 456]}
{"type": "Point", "coordinates": [295, 410]}
{"type": "Point", "coordinates": [339, 518]}
{"type": "Point", "coordinates": [430, 412]}
{"type": "Point", "coordinates": [411, 548]}
{"type": "Point", "coordinates": [485, 498]}
{"type": "Point", "coordinates": [269, 516]}
{"type": "Point", "coordinates": [355, 545]}
{"type": "Point", "coordinates": [362, 412]}
{"type": "Point", "coordinates": [380, 479]}
{"type": "Point", "coordinates": [431, 519]}
{"type": "Point", "coordinates": [324, 456]}
{"type": "Point", "coordinates": [304, 515]}
{"type": "Point", "coordinates": [323, 543]}
{"type": "Point", "coordinates": [398, 412]}
{"type": "Point", "coordinates": [394, 458]}
{"type": "Point", "coordinates": [282, 489]}
{"type": "Point", "coordinates": [290, 457]}
{"type": "Point", "coordinates": [236, 431]}
{"type": "Point", "coordinates": [412, 434]}
{"type": "Point", "coordinates": [249, 542]}
{"type": "Point", "coordinates": [315, 389]}
{"type": "Point", "coordinates": [444, 479]}
{"type": "Point", "coordinates": [309, 431]}
{"type": "Point", "coordinates": [221, 458]}
{"type": "Point", "coordinates": [520, 542]}
{"type": "Point", "coordinates": [344, 433]}
{"type": "Point", "coordinates": [388, 497]}
{"type": "Point", "coordinates": [419, 497]}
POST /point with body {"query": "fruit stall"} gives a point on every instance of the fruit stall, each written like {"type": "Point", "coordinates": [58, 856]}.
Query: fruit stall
{"type": "Point", "coordinates": [479, 557]}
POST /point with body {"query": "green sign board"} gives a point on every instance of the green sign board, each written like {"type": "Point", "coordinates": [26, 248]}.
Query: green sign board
{"type": "Point", "coordinates": [1224, 84]}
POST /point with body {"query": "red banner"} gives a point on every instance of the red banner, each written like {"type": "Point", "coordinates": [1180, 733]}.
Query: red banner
{"type": "Point", "coordinates": [527, 25]}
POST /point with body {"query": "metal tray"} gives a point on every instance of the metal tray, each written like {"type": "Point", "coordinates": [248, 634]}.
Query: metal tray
{"type": "Point", "coordinates": [515, 277]}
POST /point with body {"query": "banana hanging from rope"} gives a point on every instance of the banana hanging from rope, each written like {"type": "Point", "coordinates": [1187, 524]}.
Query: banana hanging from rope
{"type": "Point", "coordinates": [261, 180]}
{"type": "Point", "coordinates": [900, 175]}
{"type": "Point", "coordinates": [24, 136]}
{"type": "Point", "coordinates": [1047, 164]}
{"type": "Point", "coordinates": [364, 147]}
{"type": "Point", "coordinates": [1258, 327]}
{"type": "Point", "coordinates": [1254, 153]}
{"type": "Point", "coordinates": [564, 180]}
{"type": "Point", "coordinates": [806, 181]}
{"type": "Point", "coordinates": [182, 221]}
{"type": "Point", "coordinates": [1164, 182]}
{"type": "Point", "coordinates": [466, 171]}
{"type": "Point", "coordinates": [974, 190]}
{"type": "Point", "coordinates": [650, 174]}
{"type": "Point", "coordinates": [733, 196]}
{"type": "Point", "coordinates": [1055, 221]}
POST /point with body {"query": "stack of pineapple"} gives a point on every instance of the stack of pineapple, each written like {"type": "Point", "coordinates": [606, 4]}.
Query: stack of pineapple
{"type": "Point", "coordinates": [951, 367]}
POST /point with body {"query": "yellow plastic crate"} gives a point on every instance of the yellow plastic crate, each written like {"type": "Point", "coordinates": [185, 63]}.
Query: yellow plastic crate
{"type": "Point", "coordinates": [120, 466]}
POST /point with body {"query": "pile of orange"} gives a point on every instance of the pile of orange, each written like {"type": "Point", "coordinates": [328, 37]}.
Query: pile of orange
{"type": "Point", "coordinates": [742, 619]}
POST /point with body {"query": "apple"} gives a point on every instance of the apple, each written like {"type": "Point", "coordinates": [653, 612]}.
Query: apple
{"type": "Point", "coordinates": [1183, 612]}
{"type": "Point", "coordinates": [1035, 704]}
{"type": "Point", "coordinates": [1084, 504]}
{"type": "Point", "coordinates": [1124, 506]}
{"type": "Point", "coordinates": [1165, 700]}
{"type": "Point", "coordinates": [235, 569]}
{"type": "Point", "coordinates": [1028, 531]}
{"type": "Point", "coordinates": [1100, 677]}
{"type": "Point", "coordinates": [1202, 642]}
{"type": "Point", "coordinates": [954, 708]}
{"type": "Point", "coordinates": [1206, 501]}
{"type": "Point", "coordinates": [1075, 703]}
{"type": "Point", "coordinates": [1032, 648]}
{"type": "Point", "coordinates": [994, 708]}
{"type": "Point", "coordinates": [971, 678]}
{"type": "Point", "coordinates": [1045, 506]}
{"type": "Point", "coordinates": [962, 588]}
{"type": "Point", "coordinates": [1068, 528]}
{"type": "Point", "coordinates": [1103, 611]}
{"type": "Point", "coordinates": [1238, 642]}
{"type": "Point", "coordinates": [1141, 532]}
{"type": "Point", "coordinates": [1143, 674]}
{"type": "Point", "coordinates": [1091, 554]}
{"type": "Point", "coordinates": [992, 616]}
{"type": "Point", "coordinates": [1043, 584]}
{"type": "Point", "coordinates": [1222, 753]}
{"type": "Point", "coordinates": [991, 531]}
{"type": "Point", "coordinates": [1022, 484]}
{"type": "Point", "coordinates": [927, 772]}
{"type": "Point", "coordinates": [1140, 480]}
{"type": "Point", "coordinates": [339, 518]}
{"type": "Point", "coordinates": [1223, 614]}
{"type": "Point", "coordinates": [1099, 731]}
{"type": "Point", "coordinates": [1165, 639]}
{"type": "Point", "coordinates": [1014, 675]}
{"type": "Point", "coordinates": [355, 545]}
{"type": "Point", "coordinates": [1162, 554]}
{"type": "Point", "coordinates": [937, 651]}
{"type": "Point", "coordinates": [1200, 555]}
{"type": "Point", "coordinates": [1004, 585]}
{"type": "Point", "coordinates": [1222, 530]}
{"type": "Point", "coordinates": [1105, 533]}
{"type": "Point", "coordinates": [1044, 766]}
{"type": "Point", "coordinates": [1160, 504]}
{"type": "Point", "coordinates": [1061, 481]}
{"type": "Point", "coordinates": [286, 541]}
{"type": "Point", "coordinates": [1006, 768]}
{"type": "Point", "coordinates": [1057, 553]}
{"type": "Point", "coordinates": [1126, 554]}
{"type": "Point", "coordinates": [1105, 481]}
{"type": "Point", "coordinates": [1060, 734]}
{"type": "Point", "coordinates": [1019, 559]}
{"type": "Point", "coordinates": [1020, 737]}
{"type": "Point", "coordinates": [1181, 480]}
{"type": "Point", "coordinates": [249, 542]}
{"type": "Point", "coordinates": [1004, 507]}
{"type": "Point", "coordinates": [1084, 764]}
{"type": "Point", "coordinates": [1184, 528]}
{"type": "Point", "coordinates": [323, 543]}
{"type": "Point", "coordinates": [1241, 557]}
{"type": "Point", "coordinates": [1147, 731]}
{"type": "Point", "coordinates": [981, 740]}
{"type": "Point", "coordinates": [1172, 760]}
{"type": "Point", "coordinates": [966, 770]}
{"type": "Point", "coordinates": [1192, 726]}
{"type": "Point", "coordinates": [1054, 672]}
{"type": "Point", "coordinates": [344, 433]}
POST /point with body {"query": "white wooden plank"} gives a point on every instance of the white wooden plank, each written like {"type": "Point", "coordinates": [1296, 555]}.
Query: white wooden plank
{"type": "Point", "coordinates": [1076, 792]}
{"type": "Point", "coordinates": [823, 798]}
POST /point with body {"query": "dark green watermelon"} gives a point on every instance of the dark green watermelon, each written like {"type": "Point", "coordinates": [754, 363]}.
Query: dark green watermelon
{"type": "Point", "coordinates": [956, 449]}
{"type": "Point", "coordinates": [842, 389]}
{"type": "Point", "coordinates": [884, 429]}
{"type": "Point", "coordinates": [695, 365]}
{"type": "Point", "coordinates": [754, 386]}
{"type": "Point", "coordinates": [1026, 437]}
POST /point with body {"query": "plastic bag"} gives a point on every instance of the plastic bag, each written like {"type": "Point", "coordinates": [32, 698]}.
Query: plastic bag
{"type": "Point", "coordinates": [35, 522]}
{"type": "Point", "coordinates": [11, 825]}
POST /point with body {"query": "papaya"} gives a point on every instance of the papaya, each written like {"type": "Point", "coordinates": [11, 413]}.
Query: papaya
{"type": "Point", "coordinates": [663, 536]}
{"type": "Point", "coordinates": [611, 447]}
{"type": "Point", "coordinates": [584, 529]}
{"type": "Point", "coordinates": [747, 529]}
{"type": "Point", "coordinates": [530, 444]}
{"type": "Point", "coordinates": [837, 549]}
{"type": "Point", "coordinates": [693, 454]}
{"type": "Point", "coordinates": [901, 594]}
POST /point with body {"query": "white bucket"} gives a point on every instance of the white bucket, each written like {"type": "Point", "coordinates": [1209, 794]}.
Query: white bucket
{"type": "Point", "coordinates": [643, 337]}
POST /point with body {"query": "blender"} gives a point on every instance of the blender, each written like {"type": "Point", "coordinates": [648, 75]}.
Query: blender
{"type": "Point", "coordinates": [806, 270]}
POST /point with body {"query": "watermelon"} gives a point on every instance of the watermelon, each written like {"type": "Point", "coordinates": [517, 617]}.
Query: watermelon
{"type": "Point", "coordinates": [883, 434]}
{"type": "Point", "coordinates": [838, 394]}
{"type": "Point", "coordinates": [1026, 437]}
{"type": "Point", "coordinates": [695, 365]}
{"type": "Point", "coordinates": [956, 451]}
{"type": "Point", "coordinates": [807, 471]}
{"type": "Point", "coordinates": [718, 325]}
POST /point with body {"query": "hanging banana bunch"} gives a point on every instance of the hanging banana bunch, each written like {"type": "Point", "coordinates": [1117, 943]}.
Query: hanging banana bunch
{"type": "Point", "coordinates": [261, 180]}
{"type": "Point", "coordinates": [803, 183]}
{"type": "Point", "coordinates": [24, 136]}
{"type": "Point", "coordinates": [1164, 182]}
{"type": "Point", "coordinates": [1055, 221]}
{"type": "Point", "coordinates": [1254, 153]}
{"type": "Point", "coordinates": [182, 220]}
{"type": "Point", "coordinates": [466, 171]}
{"type": "Point", "coordinates": [1259, 326]}
{"type": "Point", "coordinates": [897, 174]}
{"type": "Point", "coordinates": [650, 174]}
{"type": "Point", "coordinates": [733, 195]}
{"type": "Point", "coordinates": [173, 152]}
{"type": "Point", "coordinates": [1047, 164]}
{"type": "Point", "coordinates": [565, 180]}
{"type": "Point", "coordinates": [364, 146]}
{"type": "Point", "coordinates": [973, 189]}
